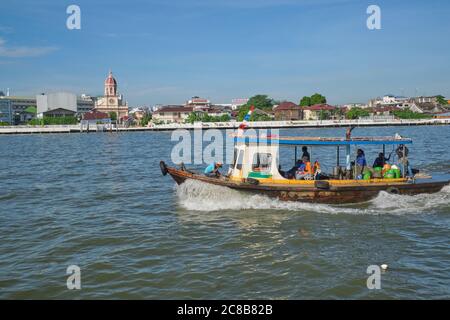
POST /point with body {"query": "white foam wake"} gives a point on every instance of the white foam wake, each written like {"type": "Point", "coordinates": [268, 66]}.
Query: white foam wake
{"type": "Point", "coordinates": [198, 196]}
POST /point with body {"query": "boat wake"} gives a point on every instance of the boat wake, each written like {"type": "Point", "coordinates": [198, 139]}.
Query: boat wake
{"type": "Point", "coordinates": [198, 196]}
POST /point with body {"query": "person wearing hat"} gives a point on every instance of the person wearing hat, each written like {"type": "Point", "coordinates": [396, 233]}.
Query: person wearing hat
{"type": "Point", "coordinates": [212, 170]}
{"type": "Point", "coordinates": [402, 153]}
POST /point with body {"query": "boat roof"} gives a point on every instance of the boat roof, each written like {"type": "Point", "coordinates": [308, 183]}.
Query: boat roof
{"type": "Point", "coordinates": [325, 141]}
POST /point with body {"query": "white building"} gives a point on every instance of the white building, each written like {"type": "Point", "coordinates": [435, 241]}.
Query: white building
{"type": "Point", "coordinates": [57, 104]}
{"type": "Point", "coordinates": [236, 103]}
{"type": "Point", "coordinates": [354, 105]}
{"type": "Point", "coordinates": [387, 100]}
{"type": "Point", "coordinates": [172, 114]}
{"type": "Point", "coordinates": [198, 103]}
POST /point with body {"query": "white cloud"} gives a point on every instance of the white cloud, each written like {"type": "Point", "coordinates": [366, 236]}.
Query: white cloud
{"type": "Point", "coordinates": [23, 51]}
{"type": "Point", "coordinates": [6, 29]}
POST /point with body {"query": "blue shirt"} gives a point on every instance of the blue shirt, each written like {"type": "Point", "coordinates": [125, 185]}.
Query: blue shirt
{"type": "Point", "coordinates": [210, 168]}
{"type": "Point", "coordinates": [361, 161]}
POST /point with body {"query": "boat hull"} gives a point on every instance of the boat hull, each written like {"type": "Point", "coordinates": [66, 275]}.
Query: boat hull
{"type": "Point", "coordinates": [342, 194]}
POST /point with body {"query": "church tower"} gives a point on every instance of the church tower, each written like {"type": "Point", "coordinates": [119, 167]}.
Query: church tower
{"type": "Point", "coordinates": [112, 102]}
{"type": "Point", "coordinates": [110, 86]}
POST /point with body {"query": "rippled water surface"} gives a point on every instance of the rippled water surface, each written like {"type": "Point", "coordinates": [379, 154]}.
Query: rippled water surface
{"type": "Point", "coordinates": [99, 201]}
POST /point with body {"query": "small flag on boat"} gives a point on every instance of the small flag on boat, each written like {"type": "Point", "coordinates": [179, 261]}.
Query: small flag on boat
{"type": "Point", "coordinates": [245, 121]}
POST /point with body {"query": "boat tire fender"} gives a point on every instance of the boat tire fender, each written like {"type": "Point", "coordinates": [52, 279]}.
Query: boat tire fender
{"type": "Point", "coordinates": [163, 167]}
{"type": "Point", "coordinates": [321, 184]}
{"type": "Point", "coordinates": [393, 190]}
{"type": "Point", "coordinates": [252, 181]}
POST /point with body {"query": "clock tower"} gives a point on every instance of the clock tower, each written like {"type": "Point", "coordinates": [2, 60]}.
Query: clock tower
{"type": "Point", "coordinates": [110, 86]}
{"type": "Point", "coordinates": [112, 101]}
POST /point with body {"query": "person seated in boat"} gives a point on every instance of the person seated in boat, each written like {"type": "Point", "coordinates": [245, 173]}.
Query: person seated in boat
{"type": "Point", "coordinates": [281, 171]}
{"type": "Point", "coordinates": [361, 163]}
{"type": "Point", "coordinates": [290, 174]}
{"type": "Point", "coordinates": [403, 162]}
{"type": "Point", "coordinates": [212, 170]}
{"type": "Point", "coordinates": [304, 171]}
{"type": "Point", "coordinates": [316, 170]}
{"type": "Point", "coordinates": [381, 160]}
{"type": "Point", "coordinates": [306, 153]}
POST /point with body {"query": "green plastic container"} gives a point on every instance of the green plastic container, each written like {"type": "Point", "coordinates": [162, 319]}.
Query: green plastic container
{"type": "Point", "coordinates": [378, 169]}
{"type": "Point", "coordinates": [397, 173]}
{"type": "Point", "coordinates": [390, 174]}
{"type": "Point", "coordinates": [367, 175]}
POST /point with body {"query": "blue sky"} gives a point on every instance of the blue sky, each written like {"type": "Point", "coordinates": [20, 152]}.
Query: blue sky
{"type": "Point", "coordinates": [165, 51]}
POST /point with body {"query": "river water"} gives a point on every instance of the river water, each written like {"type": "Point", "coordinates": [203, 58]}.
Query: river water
{"type": "Point", "coordinates": [99, 201]}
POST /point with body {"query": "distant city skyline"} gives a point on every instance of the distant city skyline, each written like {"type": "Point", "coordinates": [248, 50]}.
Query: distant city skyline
{"type": "Point", "coordinates": [164, 52]}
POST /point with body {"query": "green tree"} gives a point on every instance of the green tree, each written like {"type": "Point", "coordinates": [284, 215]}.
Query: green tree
{"type": "Point", "coordinates": [260, 101]}
{"type": "Point", "coordinates": [318, 99]}
{"type": "Point", "coordinates": [113, 115]}
{"type": "Point", "coordinates": [254, 117]}
{"type": "Point", "coordinates": [205, 117]}
{"type": "Point", "coordinates": [441, 100]}
{"type": "Point", "coordinates": [53, 120]}
{"type": "Point", "coordinates": [193, 117]}
{"type": "Point", "coordinates": [408, 114]}
{"type": "Point", "coordinates": [355, 113]}
{"type": "Point", "coordinates": [145, 119]}
{"type": "Point", "coordinates": [305, 102]}
{"type": "Point", "coordinates": [225, 118]}
{"type": "Point", "coordinates": [243, 110]}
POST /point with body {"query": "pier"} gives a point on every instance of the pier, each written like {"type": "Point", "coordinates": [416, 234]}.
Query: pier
{"type": "Point", "coordinates": [221, 125]}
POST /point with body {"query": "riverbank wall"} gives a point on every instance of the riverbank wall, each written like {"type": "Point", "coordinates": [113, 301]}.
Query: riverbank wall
{"type": "Point", "coordinates": [222, 125]}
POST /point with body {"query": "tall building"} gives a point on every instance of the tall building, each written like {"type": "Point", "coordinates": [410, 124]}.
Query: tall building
{"type": "Point", "coordinates": [5, 111]}
{"type": "Point", "coordinates": [19, 106]}
{"type": "Point", "coordinates": [57, 104]}
{"type": "Point", "coordinates": [85, 104]}
{"type": "Point", "coordinates": [112, 101]}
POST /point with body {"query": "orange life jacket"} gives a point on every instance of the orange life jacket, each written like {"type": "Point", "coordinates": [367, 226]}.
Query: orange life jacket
{"type": "Point", "coordinates": [308, 167]}
{"type": "Point", "coordinates": [316, 166]}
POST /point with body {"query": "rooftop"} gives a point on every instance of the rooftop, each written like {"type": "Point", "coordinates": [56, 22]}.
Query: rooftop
{"type": "Point", "coordinates": [287, 105]}
{"type": "Point", "coordinates": [325, 141]}
{"type": "Point", "coordinates": [95, 115]}
{"type": "Point", "coordinates": [319, 107]}
{"type": "Point", "coordinates": [174, 109]}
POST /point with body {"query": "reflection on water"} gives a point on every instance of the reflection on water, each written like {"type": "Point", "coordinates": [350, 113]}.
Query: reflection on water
{"type": "Point", "coordinates": [100, 201]}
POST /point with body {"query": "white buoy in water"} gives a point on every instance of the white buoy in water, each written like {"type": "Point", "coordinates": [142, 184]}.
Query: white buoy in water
{"type": "Point", "coordinates": [384, 266]}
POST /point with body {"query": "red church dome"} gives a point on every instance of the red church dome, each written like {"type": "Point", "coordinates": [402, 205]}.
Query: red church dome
{"type": "Point", "coordinates": [110, 80]}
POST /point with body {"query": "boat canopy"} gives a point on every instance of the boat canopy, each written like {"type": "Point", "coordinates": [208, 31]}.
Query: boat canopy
{"type": "Point", "coordinates": [323, 141]}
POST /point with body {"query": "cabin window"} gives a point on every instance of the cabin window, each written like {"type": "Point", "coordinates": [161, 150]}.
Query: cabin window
{"type": "Point", "coordinates": [240, 159]}
{"type": "Point", "coordinates": [262, 162]}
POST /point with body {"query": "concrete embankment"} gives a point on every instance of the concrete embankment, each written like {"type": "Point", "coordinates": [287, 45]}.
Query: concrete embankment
{"type": "Point", "coordinates": [221, 125]}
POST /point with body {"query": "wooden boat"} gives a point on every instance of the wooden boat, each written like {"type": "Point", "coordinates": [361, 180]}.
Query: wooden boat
{"type": "Point", "coordinates": [250, 174]}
